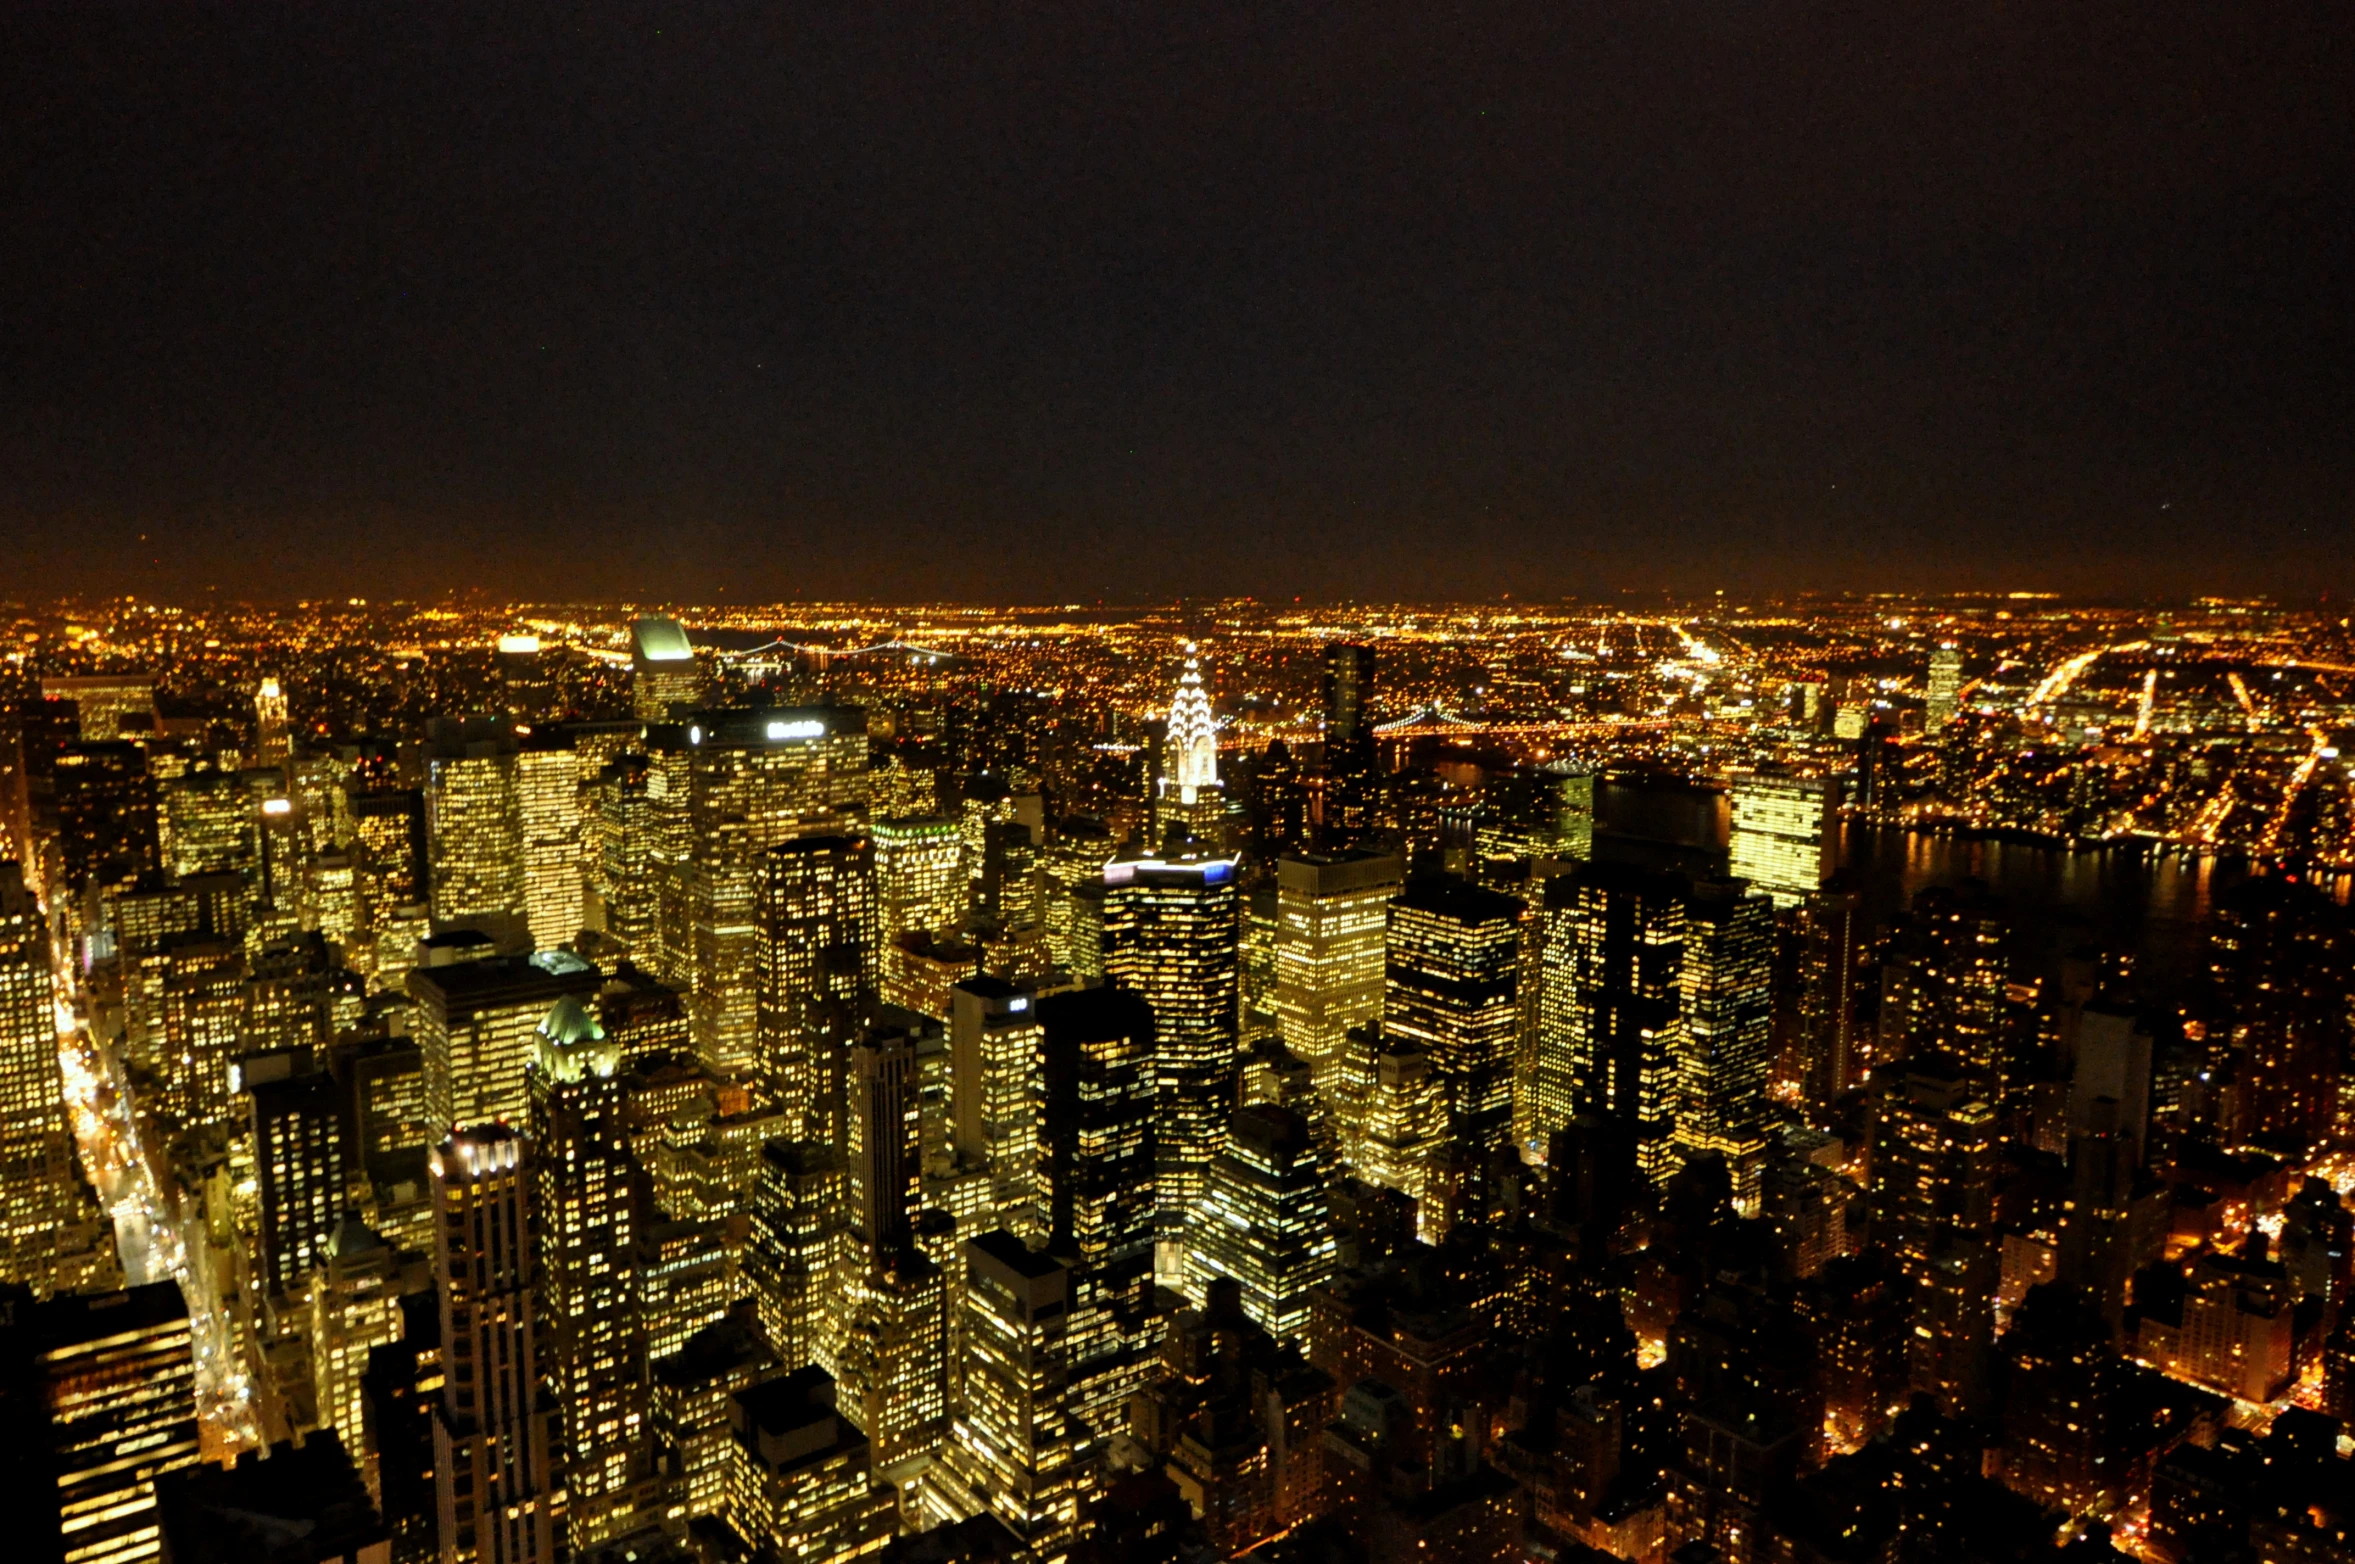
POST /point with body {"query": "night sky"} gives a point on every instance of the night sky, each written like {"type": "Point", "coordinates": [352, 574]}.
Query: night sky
{"type": "Point", "coordinates": [1042, 302]}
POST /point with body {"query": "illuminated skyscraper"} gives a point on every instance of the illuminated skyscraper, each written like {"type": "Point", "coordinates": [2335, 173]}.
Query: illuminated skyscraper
{"type": "Point", "coordinates": [300, 1173]}
{"type": "Point", "coordinates": [1017, 1450]}
{"type": "Point", "coordinates": [497, 1495]}
{"type": "Point", "coordinates": [548, 815]}
{"type": "Point", "coordinates": [355, 1307]}
{"type": "Point", "coordinates": [474, 828]}
{"type": "Point", "coordinates": [817, 923]}
{"type": "Point", "coordinates": [756, 779]}
{"type": "Point", "coordinates": [1452, 986]}
{"type": "Point", "coordinates": [203, 1002]}
{"type": "Point", "coordinates": [1265, 1222]}
{"type": "Point", "coordinates": [997, 1089]}
{"type": "Point", "coordinates": [792, 1257]}
{"type": "Point", "coordinates": [109, 1382]}
{"type": "Point", "coordinates": [1332, 929]}
{"type": "Point", "coordinates": [272, 745]}
{"type": "Point", "coordinates": [594, 1339]}
{"type": "Point", "coordinates": [1099, 1122]}
{"type": "Point", "coordinates": [1832, 931]}
{"type": "Point", "coordinates": [1780, 826]}
{"type": "Point", "coordinates": [621, 866]}
{"type": "Point", "coordinates": [210, 822]}
{"type": "Point", "coordinates": [1725, 993]}
{"type": "Point", "coordinates": [527, 673]}
{"type": "Point", "coordinates": [664, 681]}
{"type": "Point", "coordinates": [1610, 1030]}
{"type": "Point", "coordinates": [920, 888]}
{"type": "Point", "coordinates": [1945, 687]}
{"type": "Point", "coordinates": [50, 1225]}
{"type": "Point", "coordinates": [801, 1481]}
{"type": "Point", "coordinates": [1172, 935]}
{"type": "Point", "coordinates": [892, 1305]}
{"type": "Point", "coordinates": [1936, 1156]}
{"type": "Point", "coordinates": [478, 1024]}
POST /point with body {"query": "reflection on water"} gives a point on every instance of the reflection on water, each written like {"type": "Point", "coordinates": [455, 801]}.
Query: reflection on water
{"type": "Point", "coordinates": [2111, 897]}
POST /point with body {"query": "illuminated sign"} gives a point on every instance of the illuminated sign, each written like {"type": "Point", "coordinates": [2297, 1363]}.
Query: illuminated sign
{"type": "Point", "coordinates": [519, 643]}
{"type": "Point", "coordinates": [806, 729]}
{"type": "Point", "coordinates": [277, 806]}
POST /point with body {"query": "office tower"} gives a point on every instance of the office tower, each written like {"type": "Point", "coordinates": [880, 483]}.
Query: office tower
{"type": "Point", "coordinates": [997, 1059]}
{"type": "Point", "coordinates": [1348, 696]}
{"type": "Point", "coordinates": [390, 826]}
{"type": "Point", "coordinates": [548, 820]}
{"type": "Point", "coordinates": [665, 683]}
{"type": "Point", "coordinates": [1935, 1158]}
{"type": "Point", "coordinates": [801, 1483]}
{"type": "Point", "coordinates": [647, 1018]}
{"type": "Point", "coordinates": [273, 744]}
{"type": "Point", "coordinates": [102, 702]}
{"type": "Point", "coordinates": [1190, 792]}
{"type": "Point", "coordinates": [474, 827]}
{"type": "Point", "coordinates": [593, 1343]}
{"type": "Point", "coordinates": [107, 1383]}
{"type": "Point", "coordinates": [920, 889]}
{"type": "Point", "coordinates": [51, 1230]}
{"type": "Point", "coordinates": [1452, 987]}
{"type": "Point", "coordinates": [527, 674]}
{"type": "Point", "coordinates": [1943, 980]}
{"type": "Point", "coordinates": [756, 779]}
{"type": "Point", "coordinates": [1396, 1130]}
{"type": "Point", "coordinates": [1172, 932]}
{"type": "Point", "coordinates": [621, 896]}
{"type": "Point", "coordinates": [817, 922]}
{"type": "Point", "coordinates": [300, 1172]}
{"type": "Point", "coordinates": [1331, 940]}
{"type": "Point", "coordinates": [1781, 827]}
{"type": "Point", "coordinates": [210, 822]}
{"type": "Point", "coordinates": [1610, 1029]}
{"type": "Point", "coordinates": [1725, 996]}
{"type": "Point", "coordinates": [310, 1491]}
{"type": "Point", "coordinates": [100, 813]}
{"type": "Point", "coordinates": [1097, 1180]}
{"type": "Point", "coordinates": [791, 1257]}
{"type": "Point", "coordinates": [1072, 865]}
{"type": "Point", "coordinates": [354, 1303]}
{"type": "Point", "coordinates": [203, 1001]}
{"type": "Point", "coordinates": [498, 1499]}
{"type": "Point", "coordinates": [686, 1272]}
{"type": "Point", "coordinates": [477, 1023]}
{"type": "Point", "coordinates": [1017, 1450]}
{"type": "Point", "coordinates": [690, 1391]}
{"type": "Point", "coordinates": [879, 1150]}
{"type": "Point", "coordinates": [1265, 1222]}
{"type": "Point", "coordinates": [1945, 687]}
{"type": "Point", "coordinates": [1832, 931]}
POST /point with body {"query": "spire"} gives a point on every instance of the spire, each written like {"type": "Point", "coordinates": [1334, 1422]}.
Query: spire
{"type": "Point", "coordinates": [1193, 734]}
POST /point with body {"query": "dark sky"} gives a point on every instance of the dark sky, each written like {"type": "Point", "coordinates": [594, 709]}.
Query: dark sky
{"type": "Point", "coordinates": [1047, 301]}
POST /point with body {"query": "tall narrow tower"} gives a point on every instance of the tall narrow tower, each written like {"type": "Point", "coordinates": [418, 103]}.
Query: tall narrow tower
{"type": "Point", "coordinates": [496, 1496]}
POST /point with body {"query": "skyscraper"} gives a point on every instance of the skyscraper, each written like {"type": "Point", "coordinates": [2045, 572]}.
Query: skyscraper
{"type": "Point", "coordinates": [594, 1343]}
{"type": "Point", "coordinates": [1610, 1027]}
{"type": "Point", "coordinates": [108, 1382]}
{"type": "Point", "coordinates": [497, 1494]}
{"type": "Point", "coordinates": [474, 829]}
{"type": "Point", "coordinates": [1098, 1180]}
{"type": "Point", "coordinates": [997, 1091]}
{"type": "Point", "coordinates": [1832, 931]}
{"type": "Point", "coordinates": [756, 778]}
{"type": "Point", "coordinates": [1018, 1451]}
{"type": "Point", "coordinates": [817, 924]}
{"type": "Point", "coordinates": [1780, 827]}
{"type": "Point", "coordinates": [548, 824]}
{"type": "Point", "coordinates": [1725, 994]}
{"type": "Point", "coordinates": [1265, 1221]}
{"type": "Point", "coordinates": [1172, 934]}
{"type": "Point", "coordinates": [1191, 794]}
{"type": "Point", "coordinates": [664, 681]}
{"type": "Point", "coordinates": [50, 1226]}
{"type": "Point", "coordinates": [478, 1023]}
{"type": "Point", "coordinates": [1331, 937]}
{"type": "Point", "coordinates": [1945, 686]}
{"type": "Point", "coordinates": [301, 1169]}
{"type": "Point", "coordinates": [1452, 987]}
